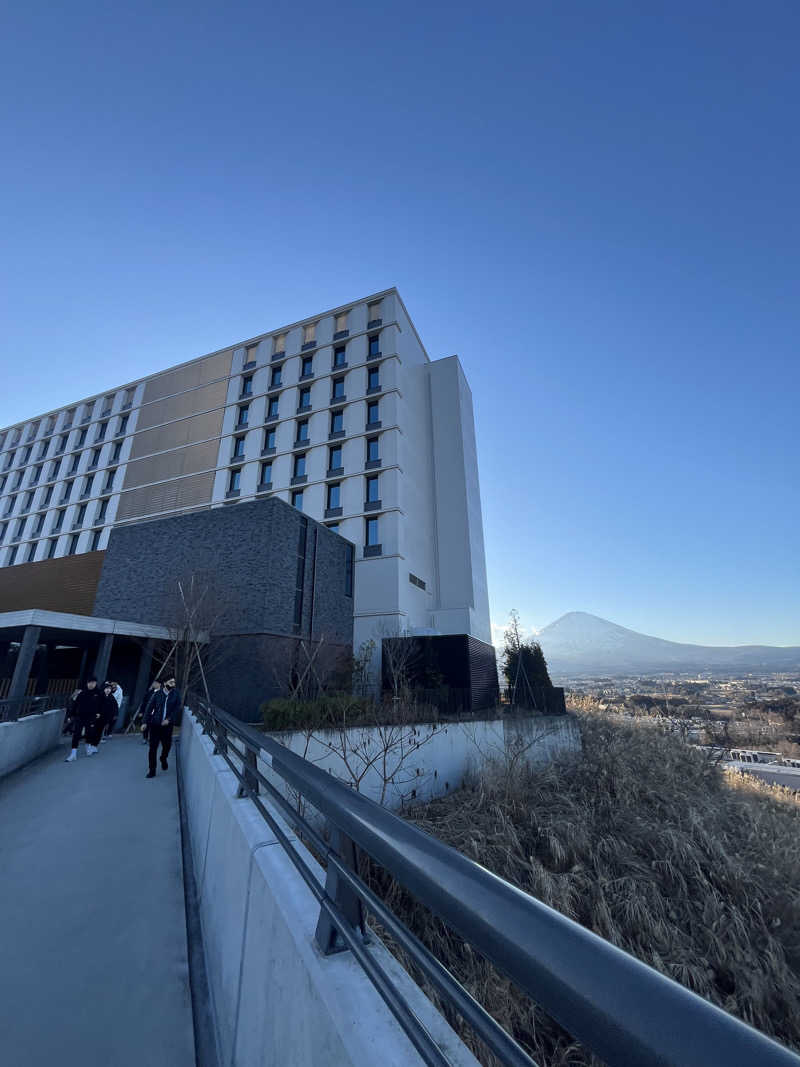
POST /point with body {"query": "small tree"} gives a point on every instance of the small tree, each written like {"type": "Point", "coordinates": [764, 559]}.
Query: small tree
{"type": "Point", "coordinates": [524, 666]}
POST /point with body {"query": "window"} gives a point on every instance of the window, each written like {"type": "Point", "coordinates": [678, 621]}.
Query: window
{"type": "Point", "coordinates": [10, 505]}
{"type": "Point", "coordinates": [337, 421]}
{"type": "Point", "coordinates": [373, 379]}
{"type": "Point", "coordinates": [87, 412]}
{"type": "Point", "coordinates": [73, 544]}
{"type": "Point", "coordinates": [304, 398]}
{"type": "Point", "coordinates": [80, 516]}
{"type": "Point", "coordinates": [334, 495]}
{"type": "Point", "coordinates": [128, 398]}
{"type": "Point", "coordinates": [340, 325]}
{"type": "Point", "coordinates": [39, 524]}
{"type": "Point", "coordinates": [235, 480]}
{"type": "Point", "coordinates": [65, 495]}
{"type": "Point", "coordinates": [95, 457]}
{"type": "Point", "coordinates": [272, 407]}
{"type": "Point", "coordinates": [51, 424]}
{"type": "Point", "coordinates": [59, 520]}
{"type": "Point", "coordinates": [34, 429]}
{"type": "Point", "coordinates": [81, 438]}
{"type": "Point", "coordinates": [244, 415]}
{"type": "Point", "coordinates": [108, 403]}
{"type": "Point", "coordinates": [275, 377]}
{"type": "Point", "coordinates": [339, 357]}
{"type": "Point", "coordinates": [48, 496]}
{"type": "Point", "coordinates": [372, 533]}
{"type": "Point", "coordinates": [17, 480]}
{"type": "Point", "coordinates": [31, 556]}
{"type": "Point", "coordinates": [28, 502]}
{"type": "Point", "coordinates": [55, 467]}
{"type": "Point", "coordinates": [373, 315]}
{"type": "Point", "coordinates": [335, 458]}
{"type": "Point", "coordinates": [109, 482]}
{"type": "Point", "coordinates": [101, 511]}
{"type": "Point", "coordinates": [309, 334]}
{"type": "Point", "coordinates": [251, 353]}
{"type": "Point", "coordinates": [3, 528]}
{"type": "Point", "coordinates": [374, 346]}
{"type": "Point", "coordinates": [302, 431]}
{"type": "Point", "coordinates": [418, 582]}
{"type": "Point", "coordinates": [9, 460]}
{"type": "Point", "coordinates": [348, 569]}
{"type": "Point", "coordinates": [87, 486]}
{"type": "Point", "coordinates": [238, 447]}
{"type": "Point", "coordinates": [269, 440]}
{"type": "Point", "coordinates": [307, 367]}
{"type": "Point", "coordinates": [17, 435]}
{"type": "Point", "coordinates": [278, 344]}
{"type": "Point", "coordinates": [373, 450]}
{"type": "Point", "coordinates": [3, 481]}
{"type": "Point", "coordinates": [373, 489]}
{"type": "Point", "coordinates": [26, 455]}
{"type": "Point", "coordinates": [36, 474]}
{"type": "Point", "coordinates": [12, 555]}
{"type": "Point", "coordinates": [265, 476]}
{"type": "Point", "coordinates": [297, 499]}
{"type": "Point", "coordinates": [75, 460]}
{"type": "Point", "coordinates": [20, 530]}
{"type": "Point", "coordinates": [43, 449]}
{"type": "Point", "coordinates": [338, 389]}
{"type": "Point", "coordinates": [116, 452]}
{"type": "Point", "coordinates": [101, 432]}
{"type": "Point", "coordinates": [373, 413]}
{"type": "Point", "coordinates": [123, 425]}
{"type": "Point", "coordinates": [51, 548]}
{"type": "Point", "coordinates": [247, 385]}
{"type": "Point", "coordinates": [96, 535]}
{"type": "Point", "coordinates": [62, 443]}
{"type": "Point", "coordinates": [299, 469]}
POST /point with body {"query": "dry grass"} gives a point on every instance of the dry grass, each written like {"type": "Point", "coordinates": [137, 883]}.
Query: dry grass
{"type": "Point", "coordinates": [691, 869]}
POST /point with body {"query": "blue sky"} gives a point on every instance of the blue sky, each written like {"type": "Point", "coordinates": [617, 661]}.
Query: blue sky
{"type": "Point", "coordinates": [594, 205]}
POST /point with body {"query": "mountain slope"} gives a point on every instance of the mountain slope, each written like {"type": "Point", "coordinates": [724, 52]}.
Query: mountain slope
{"type": "Point", "coordinates": [579, 643]}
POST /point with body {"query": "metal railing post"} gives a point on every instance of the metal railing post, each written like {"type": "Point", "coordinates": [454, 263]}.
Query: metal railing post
{"type": "Point", "coordinates": [249, 787]}
{"type": "Point", "coordinates": [220, 740]}
{"type": "Point", "coordinates": [348, 902]}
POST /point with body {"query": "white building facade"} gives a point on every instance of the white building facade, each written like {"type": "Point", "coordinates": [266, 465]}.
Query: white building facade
{"type": "Point", "coordinates": [342, 415]}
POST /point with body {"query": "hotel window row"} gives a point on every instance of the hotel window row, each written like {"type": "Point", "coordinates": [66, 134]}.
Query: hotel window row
{"type": "Point", "coordinates": [12, 438]}
{"type": "Point", "coordinates": [308, 335]}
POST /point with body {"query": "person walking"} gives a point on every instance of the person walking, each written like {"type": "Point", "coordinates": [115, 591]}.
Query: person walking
{"type": "Point", "coordinates": [110, 709]}
{"type": "Point", "coordinates": [162, 715]}
{"type": "Point", "coordinates": [88, 710]}
{"type": "Point", "coordinates": [115, 690]}
{"type": "Point", "coordinates": [155, 687]}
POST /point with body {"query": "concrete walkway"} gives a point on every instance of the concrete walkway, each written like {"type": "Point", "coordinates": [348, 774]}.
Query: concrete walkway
{"type": "Point", "coordinates": [93, 960]}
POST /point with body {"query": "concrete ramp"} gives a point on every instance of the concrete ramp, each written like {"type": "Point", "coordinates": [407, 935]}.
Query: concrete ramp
{"type": "Point", "coordinates": [93, 957]}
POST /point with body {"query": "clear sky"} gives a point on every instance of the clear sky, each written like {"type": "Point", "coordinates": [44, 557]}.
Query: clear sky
{"type": "Point", "coordinates": [594, 205]}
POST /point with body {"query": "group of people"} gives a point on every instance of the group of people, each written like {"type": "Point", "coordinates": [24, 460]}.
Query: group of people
{"type": "Point", "coordinates": [94, 709]}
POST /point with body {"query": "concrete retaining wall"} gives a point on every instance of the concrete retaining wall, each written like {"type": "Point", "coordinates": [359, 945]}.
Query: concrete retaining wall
{"type": "Point", "coordinates": [276, 1000]}
{"type": "Point", "coordinates": [25, 739]}
{"type": "Point", "coordinates": [428, 760]}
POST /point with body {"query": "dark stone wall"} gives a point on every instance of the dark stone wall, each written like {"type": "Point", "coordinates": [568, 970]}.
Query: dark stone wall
{"type": "Point", "coordinates": [246, 556]}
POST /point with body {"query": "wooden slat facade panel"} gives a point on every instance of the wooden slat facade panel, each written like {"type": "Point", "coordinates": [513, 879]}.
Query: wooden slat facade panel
{"type": "Point", "coordinates": [66, 583]}
{"type": "Point", "coordinates": [191, 491]}
{"type": "Point", "coordinates": [196, 374]}
{"type": "Point", "coordinates": [202, 398]}
{"type": "Point", "coordinates": [189, 460]}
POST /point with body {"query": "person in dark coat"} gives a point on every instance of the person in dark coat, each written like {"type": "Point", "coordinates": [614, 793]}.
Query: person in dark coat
{"type": "Point", "coordinates": [162, 714]}
{"type": "Point", "coordinates": [88, 713]}
{"type": "Point", "coordinates": [110, 709]}
{"type": "Point", "coordinates": [144, 707]}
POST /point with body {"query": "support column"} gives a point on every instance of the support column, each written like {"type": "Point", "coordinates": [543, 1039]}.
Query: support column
{"type": "Point", "coordinates": [142, 677]}
{"type": "Point", "coordinates": [22, 668]}
{"type": "Point", "coordinates": [43, 673]}
{"type": "Point", "coordinates": [82, 671]}
{"type": "Point", "coordinates": [103, 658]}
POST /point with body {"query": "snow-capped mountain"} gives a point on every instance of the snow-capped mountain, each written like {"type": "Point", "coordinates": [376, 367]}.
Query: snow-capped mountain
{"type": "Point", "coordinates": [581, 644]}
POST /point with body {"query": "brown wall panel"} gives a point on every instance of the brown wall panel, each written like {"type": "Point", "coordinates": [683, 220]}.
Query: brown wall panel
{"type": "Point", "coordinates": [178, 407]}
{"type": "Point", "coordinates": [190, 377]}
{"type": "Point", "coordinates": [192, 491]}
{"type": "Point", "coordinates": [67, 583]}
{"type": "Point", "coordinates": [189, 460]}
{"type": "Point", "coordinates": [177, 434]}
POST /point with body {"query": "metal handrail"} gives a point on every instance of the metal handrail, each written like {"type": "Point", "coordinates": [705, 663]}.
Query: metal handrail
{"type": "Point", "coordinates": [623, 1010]}
{"type": "Point", "coordinates": [14, 708]}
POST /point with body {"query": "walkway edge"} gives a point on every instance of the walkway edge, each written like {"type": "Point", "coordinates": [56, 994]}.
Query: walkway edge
{"type": "Point", "coordinates": [205, 1035]}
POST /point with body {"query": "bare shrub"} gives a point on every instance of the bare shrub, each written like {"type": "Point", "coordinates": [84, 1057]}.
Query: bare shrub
{"type": "Point", "coordinates": [690, 868]}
